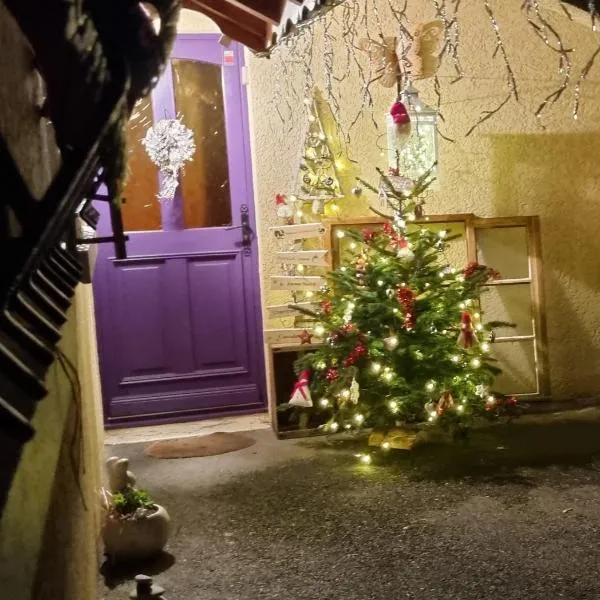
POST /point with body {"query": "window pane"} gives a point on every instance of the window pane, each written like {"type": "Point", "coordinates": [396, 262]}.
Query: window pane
{"type": "Point", "coordinates": [198, 94]}
{"type": "Point", "coordinates": [517, 361]}
{"type": "Point", "coordinates": [141, 211]}
{"type": "Point", "coordinates": [504, 249]}
{"type": "Point", "coordinates": [511, 304]}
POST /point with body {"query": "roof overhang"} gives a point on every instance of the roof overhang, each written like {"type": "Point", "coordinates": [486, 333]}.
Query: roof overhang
{"type": "Point", "coordinates": [260, 24]}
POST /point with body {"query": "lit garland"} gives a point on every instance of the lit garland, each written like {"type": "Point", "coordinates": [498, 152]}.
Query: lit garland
{"type": "Point", "coordinates": [375, 20]}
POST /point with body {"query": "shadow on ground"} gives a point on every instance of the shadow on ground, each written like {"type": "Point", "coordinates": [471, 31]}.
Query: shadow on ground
{"type": "Point", "coordinates": [498, 452]}
{"type": "Point", "coordinates": [117, 574]}
{"type": "Point", "coordinates": [514, 512]}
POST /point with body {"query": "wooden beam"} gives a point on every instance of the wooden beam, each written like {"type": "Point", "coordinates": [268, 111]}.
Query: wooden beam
{"type": "Point", "coordinates": [234, 22]}
{"type": "Point", "coordinates": [269, 10]}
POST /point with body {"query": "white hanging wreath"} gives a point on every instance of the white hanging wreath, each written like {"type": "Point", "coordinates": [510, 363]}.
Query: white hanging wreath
{"type": "Point", "coordinates": [169, 144]}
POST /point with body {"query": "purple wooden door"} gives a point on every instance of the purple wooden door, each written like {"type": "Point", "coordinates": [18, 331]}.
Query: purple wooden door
{"type": "Point", "coordinates": [179, 319]}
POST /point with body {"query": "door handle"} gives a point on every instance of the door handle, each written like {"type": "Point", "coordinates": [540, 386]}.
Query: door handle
{"type": "Point", "coordinates": [247, 233]}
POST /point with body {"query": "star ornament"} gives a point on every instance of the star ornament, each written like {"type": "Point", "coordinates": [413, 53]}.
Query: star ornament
{"type": "Point", "coordinates": [305, 337]}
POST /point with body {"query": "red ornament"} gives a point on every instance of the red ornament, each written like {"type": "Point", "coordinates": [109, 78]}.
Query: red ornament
{"type": "Point", "coordinates": [399, 242]}
{"type": "Point", "coordinates": [279, 199]}
{"type": "Point", "coordinates": [331, 374]}
{"type": "Point", "coordinates": [466, 337]}
{"type": "Point", "coordinates": [360, 349]}
{"type": "Point", "coordinates": [387, 228]}
{"type": "Point", "coordinates": [399, 113]}
{"type": "Point", "coordinates": [326, 307]}
{"type": "Point", "coordinates": [348, 328]}
{"type": "Point", "coordinates": [350, 360]}
{"type": "Point", "coordinates": [512, 401]}
{"type": "Point", "coordinates": [368, 235]}
{"type": "Point", "coordinates": [305, 337]}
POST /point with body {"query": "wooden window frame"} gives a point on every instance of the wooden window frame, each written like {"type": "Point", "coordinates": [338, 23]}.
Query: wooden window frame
{"type": "Point", "coordinates": [473, 223]}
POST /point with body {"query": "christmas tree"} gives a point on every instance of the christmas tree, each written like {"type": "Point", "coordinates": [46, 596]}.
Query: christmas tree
{"type": "Point", "coordinates": [404, 337]}
{"type": "Point", "coordinates": [319, 182]}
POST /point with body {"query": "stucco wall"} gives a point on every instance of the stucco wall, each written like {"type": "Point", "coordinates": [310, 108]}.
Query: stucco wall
{"type": "Point", "coordinates": [49, 527]}
{"type": "Point", "coordinates": [509, 166]}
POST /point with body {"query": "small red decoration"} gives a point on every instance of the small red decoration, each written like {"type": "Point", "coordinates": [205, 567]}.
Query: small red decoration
{"type": "Point", "coordinates": [466, 337]}
{"type": "Point", "coordinates": [301, 393]}
{"type": "Point", "coordinates": [398, 242]}
{"type": "Point", "coordinates": [406, 297]}
{"type": "Point", "coordinates": [350, 360]}
{"type": "Point", "coordinates": [348, 328]}
{"type": "Point", "coordinates": [326, 307]}
{"type": "Point", "coordinates": [512, 401]}
{"type": "Point", "coordinates": [393, 172]}
{"type": "Point", "coordinates": [359, 350]}
{"type": "Point", "coordinates": [387, 228]}
{"type": "Point", "coordinates": [474, 268]}
{"type": "Point", "coordinates": [305, 337]}
{"type": "Point", "coordinates": [445, 402]}
{"type": "Point", "coordinates": [399, 113]}
{"type": "Point", "coordinates": [284, 210]}
{"type": "Point", "coordinates": [331, 374]}
{"type": "Point", "coordinates": [368, 235]}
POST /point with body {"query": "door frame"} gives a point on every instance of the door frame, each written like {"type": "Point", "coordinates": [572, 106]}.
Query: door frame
{"type": "Point", "coordinates": [252, 296]}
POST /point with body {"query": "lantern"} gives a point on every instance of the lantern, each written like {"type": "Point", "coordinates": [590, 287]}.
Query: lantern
{"type": "Point", "coordinates": [416, 151]}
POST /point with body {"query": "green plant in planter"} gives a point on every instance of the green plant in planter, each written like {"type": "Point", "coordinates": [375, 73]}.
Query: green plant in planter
{"type": "Point", "coordinates": [129, 500]}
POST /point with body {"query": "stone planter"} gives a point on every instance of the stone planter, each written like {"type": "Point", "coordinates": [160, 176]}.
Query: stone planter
{"type": "Point", "coordinates": [136, 538]}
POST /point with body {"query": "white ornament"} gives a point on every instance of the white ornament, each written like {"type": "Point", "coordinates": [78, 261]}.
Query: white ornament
{"type": "Point", "coordinates": [390, 342]}
{"type": "Point", "coordinates": [405, 253]}
{"type": "Point", "coordinates": [354, 391]}
{"type": "Point", "coordinates": [318, 206]}
{"type": "Point", "coordinates": [481, 390]}
{"type": "Point", "coordinates": [169, 144]}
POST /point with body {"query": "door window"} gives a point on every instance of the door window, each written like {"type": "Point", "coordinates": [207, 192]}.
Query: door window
{"type": "Point", "coordinates": [198, 95]}
{"type": "Point", "coordinates": [141, 210]}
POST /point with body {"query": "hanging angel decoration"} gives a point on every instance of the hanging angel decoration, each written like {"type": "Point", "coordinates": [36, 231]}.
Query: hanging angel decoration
{"type": "Point", "coordinates": [407, 56]}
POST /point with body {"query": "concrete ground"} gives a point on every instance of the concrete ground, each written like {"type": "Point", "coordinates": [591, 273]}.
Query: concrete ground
{"type": "Point", "coordinates": [514, 514]}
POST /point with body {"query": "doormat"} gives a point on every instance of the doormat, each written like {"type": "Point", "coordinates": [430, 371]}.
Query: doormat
{"type": "Point", "coordinates": [200, 445]}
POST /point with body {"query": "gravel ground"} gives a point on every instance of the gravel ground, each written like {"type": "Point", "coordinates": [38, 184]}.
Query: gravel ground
{"type": "Point", "coordinates": [514, 514]}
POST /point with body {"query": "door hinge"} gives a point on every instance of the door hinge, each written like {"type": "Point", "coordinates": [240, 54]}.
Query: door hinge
{"type": "Point", "coordinates": [245, 75]}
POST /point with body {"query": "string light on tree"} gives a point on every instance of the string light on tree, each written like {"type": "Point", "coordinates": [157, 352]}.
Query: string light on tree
{"type": "Point", "coordinates": [392, 324]}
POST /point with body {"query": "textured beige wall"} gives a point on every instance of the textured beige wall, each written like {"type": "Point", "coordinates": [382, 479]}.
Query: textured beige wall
{"type": "Point", "coordinates": [509, 166]}
{"type": "Point", "coordinates": [50, 525]}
